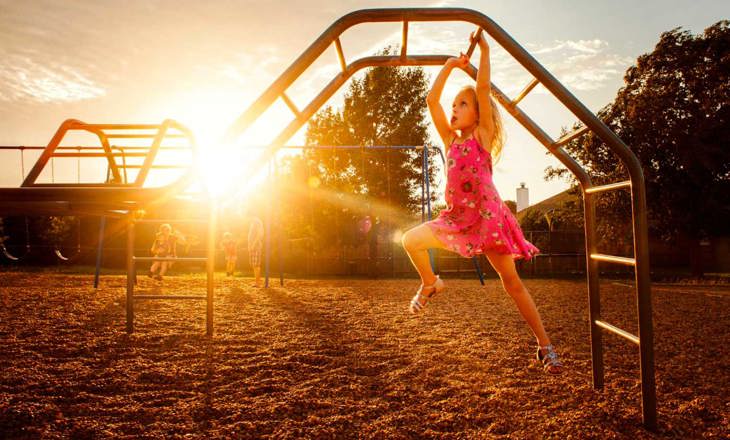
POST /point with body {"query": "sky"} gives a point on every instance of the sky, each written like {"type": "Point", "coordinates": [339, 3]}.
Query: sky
{"type": "Point", "coordinates": [203, 63]}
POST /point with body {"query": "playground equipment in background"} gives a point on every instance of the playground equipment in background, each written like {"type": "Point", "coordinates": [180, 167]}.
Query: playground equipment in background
{"type": "Point", "coordinates": [590, 124]}
{"type": "Point", "coordinates": [118, 196]}
{"type": "Point", "coordinates": [56, 248]}
{"type": "Point", "coordinates": [425, 197]}
{"type": "Point", "coordinates": [124, 193]}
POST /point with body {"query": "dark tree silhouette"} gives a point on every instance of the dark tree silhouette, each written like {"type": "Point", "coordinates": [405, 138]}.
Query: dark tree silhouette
{"type": "Point", "coordinates": [674, 113]}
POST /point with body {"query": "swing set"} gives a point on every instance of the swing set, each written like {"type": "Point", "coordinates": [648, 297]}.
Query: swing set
{"type": "Point", "coordinates": [426, 214]}
{"type": "Point", "coordinates": [119, 197]}
{"type": "Point", "coordinates": [57, 251]}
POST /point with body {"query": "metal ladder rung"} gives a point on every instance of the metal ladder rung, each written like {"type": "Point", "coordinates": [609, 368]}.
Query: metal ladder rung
{"type": "Point", "coordinates": [289, 103]}
{"type": "Point", "coordinates": [140, 135]}
{"type": "Point", "coordinates": [178, 259]}
{"type": "Point", "coordinates": [473, 44]}
{"type": "Point", "coordinates": [528, 88]}
{"type": "Point", "coordinates": [115, 154]}
{"type": "Point", "coordinates": [169, 297]}
{"type": "Point", "coordinates": [153, 166]}
{"type": "Point", "coordinates": [570, 136]}
{"type": "Point", "coordinates": [340, 54]}
{"type": "Point", "coordinates": [618, 331]}
{"type": "Point", "coordinates": [404, 40]}
{"type": "Point", "coordinates": [610, 186]}
{"type": "Point", "coordinates": [614, 259]}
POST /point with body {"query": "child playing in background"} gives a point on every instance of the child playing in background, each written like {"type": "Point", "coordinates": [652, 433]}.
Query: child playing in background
{"type": "Point", "coordinates": [164, 246]}
{"type": "Point", "coordinates": [230, 250]}
{"type": "Point", "coordinates": [255, 245]}
{"type": "Point", "coordinates": [476, 220]}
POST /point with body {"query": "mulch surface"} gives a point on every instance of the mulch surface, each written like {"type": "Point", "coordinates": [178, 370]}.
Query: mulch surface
{"type": "Point", "coordinates": [343, 359]}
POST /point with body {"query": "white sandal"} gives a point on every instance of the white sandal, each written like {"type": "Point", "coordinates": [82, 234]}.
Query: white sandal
{"type": "Point", "coordinates": [419, 301]}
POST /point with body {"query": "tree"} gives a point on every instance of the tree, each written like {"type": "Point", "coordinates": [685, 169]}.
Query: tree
{"type": "Point", "coordinates": [385, 107]}
{"type": "Point", "coordinates": [674, 113]}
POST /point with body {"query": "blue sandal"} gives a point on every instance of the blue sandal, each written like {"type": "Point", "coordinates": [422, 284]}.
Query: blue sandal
{"type": "Point", "coordinates": [550, 362]}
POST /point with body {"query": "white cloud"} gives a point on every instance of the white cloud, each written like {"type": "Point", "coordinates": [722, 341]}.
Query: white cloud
{"type": "Point", "coordinates": [580, 64]}
{"type": "Point", "coordinates": [24, 79]}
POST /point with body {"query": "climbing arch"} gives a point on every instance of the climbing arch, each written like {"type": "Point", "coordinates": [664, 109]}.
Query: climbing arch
{"type": "Point", "coordinates": [589, 123]}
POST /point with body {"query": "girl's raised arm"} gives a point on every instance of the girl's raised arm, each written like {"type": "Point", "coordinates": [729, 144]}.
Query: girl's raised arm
{"type": "Point", "coordinates": [484, 89]}
{"type": "Point", "coordinates": [434, 96]}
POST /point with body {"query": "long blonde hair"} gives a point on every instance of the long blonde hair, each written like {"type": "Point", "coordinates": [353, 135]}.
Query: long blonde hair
{"type": "Point", "coordinates": [499, 136]}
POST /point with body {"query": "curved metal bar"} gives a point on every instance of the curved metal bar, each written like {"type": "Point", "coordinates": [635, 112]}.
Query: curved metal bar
{"type": "Point", "coordinates": [589, 120]}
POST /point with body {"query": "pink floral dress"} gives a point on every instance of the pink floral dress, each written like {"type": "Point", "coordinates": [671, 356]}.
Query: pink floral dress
{"type": "Point", "coordinates": [476, 219]}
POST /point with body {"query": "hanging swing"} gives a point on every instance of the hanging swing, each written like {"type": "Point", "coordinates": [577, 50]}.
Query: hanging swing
{"type": "Point", "coordinates": [77, 253]}
{"type": "Point", "coordinates": [6, 253]}
{"type": "Point", "coordinates": [21, 257]}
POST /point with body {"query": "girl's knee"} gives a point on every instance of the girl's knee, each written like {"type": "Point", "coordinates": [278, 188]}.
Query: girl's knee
{"type": "Point", "coordinates": [409, 240]}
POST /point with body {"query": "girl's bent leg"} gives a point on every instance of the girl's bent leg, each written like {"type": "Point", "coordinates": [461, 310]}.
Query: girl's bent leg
{"type": "Point", "coordinates": [505, 267]}
{"type": "Point", "coordinates": [416, 242]}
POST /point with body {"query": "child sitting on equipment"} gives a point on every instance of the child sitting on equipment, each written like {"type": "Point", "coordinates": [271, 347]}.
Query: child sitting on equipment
{"type": "Point", "coordinates": [164, 246]}
{"type": "Point", "coordinates": [230, 250]}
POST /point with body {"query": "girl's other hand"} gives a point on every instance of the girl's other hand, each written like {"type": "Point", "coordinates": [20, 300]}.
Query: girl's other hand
{"type": "Point", "coordinates": [479, 36]}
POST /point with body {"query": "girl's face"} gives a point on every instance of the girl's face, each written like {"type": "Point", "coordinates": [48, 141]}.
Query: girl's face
{"type": "Point", "coordinates": [165, 230]}
{"type": "Point", "coordinates": [464, 113]}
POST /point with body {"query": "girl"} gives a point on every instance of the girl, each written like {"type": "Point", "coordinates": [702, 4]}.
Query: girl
{"type": "Point", "coordinates": [163, 246]}
{"type": "Point", "coordinates": [230, 250]}
{"type": "Point", "coordinates": [476, 219]}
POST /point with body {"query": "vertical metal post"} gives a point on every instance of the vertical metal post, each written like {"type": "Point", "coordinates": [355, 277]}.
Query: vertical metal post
{"type": "Point", "coordinates": [278, 228]}
{"type": "Point", "coordinates": [594, 297]}
{"type": "Point", "coordinates": [130, 274]}
{"type": "Point", "coordinates": [388, 222]}
{"type": "Point", "coordinates": [643, 300]}
{"type": "Point", "coordinates": [428, 187]}
{"type": "Point", "coordinates": [99, 251]}
{"type": "Point", "coordinates": [534, 258]}
{"type": "Point", "coordinates": [210, 266]}
{"type": "Point", "coordinates": [423, 190]}
{"type": "Point", "coordinates": [267, 232]}
{"type": "Point", "coordinates": [478, 269]}
{"type": "Point", "coordinates": [428, 199]}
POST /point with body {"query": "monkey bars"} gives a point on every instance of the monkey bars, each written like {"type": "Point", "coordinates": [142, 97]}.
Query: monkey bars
{"type": "Point", "coordinates": [590, 123]}
{"type": "Point", "coordinates": [119, 192]}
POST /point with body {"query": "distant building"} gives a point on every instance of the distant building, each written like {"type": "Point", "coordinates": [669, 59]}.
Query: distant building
{"type": "Point", "coordinates": [523, 197]}
{"type": "Point", "coordinates": [550, 204]}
